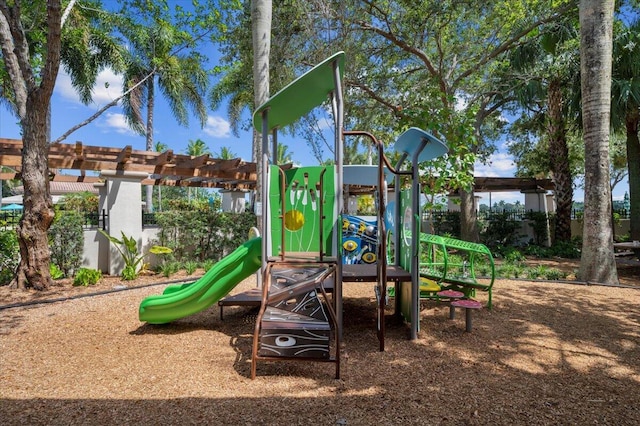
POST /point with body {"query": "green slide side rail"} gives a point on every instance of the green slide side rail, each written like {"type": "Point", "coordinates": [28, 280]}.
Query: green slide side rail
{"type": "Point", "coordinates": [181, 301]}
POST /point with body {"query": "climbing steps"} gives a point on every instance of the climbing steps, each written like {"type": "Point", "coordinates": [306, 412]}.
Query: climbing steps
{"type": "Point", "coordinates": [296, 320]}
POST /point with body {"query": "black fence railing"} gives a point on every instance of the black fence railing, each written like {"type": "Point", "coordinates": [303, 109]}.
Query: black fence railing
{"type": "Point", "coordinates": [9, 219]}
{"type": "Point", "coordinates": [512, 214]}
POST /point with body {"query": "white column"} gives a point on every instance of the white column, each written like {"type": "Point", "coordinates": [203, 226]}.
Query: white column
{"type": "Point", "coordinates": [123, 202]}
{"type": "Point", "coordinates": [233, 201]}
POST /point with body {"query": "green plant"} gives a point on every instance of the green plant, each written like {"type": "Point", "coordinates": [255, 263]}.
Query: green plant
{"type": "Point", "coordinates": [207, 264]}
{"type": "Point", "coordinates": [539, 221]}
{"type": "Point", "coordinates": [169, 268]}
{"type": "Point", "coordinates": [190, 267]}
{"type": "Point", "coordinates": [86, 277]}
{"type": "Point", "coordinates": [55, 272]}
{"type": "Point", "coordinates": [204, 233]}
{"type": "Point", "coordinates": [531, 273]}
{"type": "Point", "coordinates": [512, 255]}
{"type": "Point", "coordinates": [66, 241]}
{"type": "Point", "coordinates": [501, 231]}
{"type": "Point", "coordinates": [510, 270]}
{"type": "Point", "coordinates": [9, 255]}
{"type": "Point", "coordinates": [128, 248]}
{"type": "Point", "coordinates": [555, 274]}
{"type": "Point", "coordinates": [129, 273]}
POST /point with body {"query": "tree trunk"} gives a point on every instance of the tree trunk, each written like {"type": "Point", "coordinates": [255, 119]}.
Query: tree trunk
{"type": "Point", "coordinates": [633, 165]}
{"type": "Point", "coordinates": [149, 143]}
{"type": "Point", "coordinates": [559, 153]}
{"type": "Point", "coordinates": [38, 211]}
{"type": "Point", "coordinates": [468, 217]}
{"type": "Point", "coordinates": [597, 263]}
{"type": "Point", "coordinates": [32, 101]}
{"type": "Point", "coordinates": [261, 31]}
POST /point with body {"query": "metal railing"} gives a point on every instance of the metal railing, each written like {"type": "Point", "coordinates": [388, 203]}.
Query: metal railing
{"type": "Point", "coordinates": [9, 219]}
{"type": "Point", "coordinates": [511, 214]}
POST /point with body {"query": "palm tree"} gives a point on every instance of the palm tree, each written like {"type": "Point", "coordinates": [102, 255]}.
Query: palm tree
{"type": "Point", "coordinates": [261, 35]}
{"type": "Point", "coordinates": [225, 153]}
{"type": "Point", "coordinates": [597, 263]}
{"type": "Point", "coordinates": [546, 67]}
{"type": "Point", "coordinates": [180, 78]}
{"type": "Point", "coordinates": [160, 147]}
{"type": "Point", "coordinates": [625, 108]}
{"type": "Point", "coordinates": [196, 148]}
{"type": "Point", "coordinates": [284, 156]}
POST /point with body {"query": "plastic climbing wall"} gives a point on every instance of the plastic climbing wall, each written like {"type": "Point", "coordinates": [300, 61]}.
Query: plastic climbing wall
{"type": "Point", "coordinates": [309, 192]}
{"type": "Point", "coordinates": [359, 241]}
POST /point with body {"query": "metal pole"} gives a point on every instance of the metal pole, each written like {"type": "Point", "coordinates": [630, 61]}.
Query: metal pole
{"type": "Point", "coordinates": [338, 105]}
{"type": "Point", "coordinates": [415, 243]}
{"type": "Point", "coordinates": [264, 180]}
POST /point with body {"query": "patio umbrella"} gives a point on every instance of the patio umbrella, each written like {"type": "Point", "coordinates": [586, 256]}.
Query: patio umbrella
{"type": "Point", "coordinates": [12, 207]}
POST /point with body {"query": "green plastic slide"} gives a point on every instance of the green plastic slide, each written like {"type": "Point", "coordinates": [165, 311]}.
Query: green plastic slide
{"type": "Point", "coordinates": [179, 301]}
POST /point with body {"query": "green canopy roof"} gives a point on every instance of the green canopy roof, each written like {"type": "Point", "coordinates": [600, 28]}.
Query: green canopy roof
{"type": "Point", "coordinates": [301, 95]}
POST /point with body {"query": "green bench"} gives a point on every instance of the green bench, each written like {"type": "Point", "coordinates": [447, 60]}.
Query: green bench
{"type": "Point", "coordinates": [454, 263]}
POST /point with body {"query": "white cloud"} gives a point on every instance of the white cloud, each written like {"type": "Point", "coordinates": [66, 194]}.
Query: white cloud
{"type": "Point", "coordinates": [116, 122]}
{"type": "Point", "coordinates": [108, 87]}
{"type": "Point", "coordinates": [217, 127]}
{"type": "Point", "coordinates": [499, 165]}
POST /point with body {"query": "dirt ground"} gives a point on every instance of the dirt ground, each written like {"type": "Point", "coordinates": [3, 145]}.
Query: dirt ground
{"type": "Point", "coordinates": [548, 353]}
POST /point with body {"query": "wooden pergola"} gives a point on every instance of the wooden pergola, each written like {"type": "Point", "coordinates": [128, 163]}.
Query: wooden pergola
{"type": "Point", "coordinates": [164, 168]}
{"type": "Point", "coordinates": [167, 168]}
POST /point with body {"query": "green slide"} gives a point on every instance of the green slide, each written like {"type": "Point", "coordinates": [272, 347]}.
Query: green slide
{"type": "Point", "coordinates": [179, 301]}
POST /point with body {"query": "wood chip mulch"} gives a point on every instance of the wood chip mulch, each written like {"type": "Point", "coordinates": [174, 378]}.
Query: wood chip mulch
{"type": "Point", "coordinates": [548, 353]}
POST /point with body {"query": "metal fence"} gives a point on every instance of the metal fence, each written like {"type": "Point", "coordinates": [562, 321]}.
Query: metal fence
{"type": "Point", "coordinates": [9, 219]}
{"type": "Point", "coordinates": [512, 214]}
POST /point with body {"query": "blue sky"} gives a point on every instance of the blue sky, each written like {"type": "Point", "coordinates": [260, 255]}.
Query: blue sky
{"type": "Point", "coordinates": [111, 130]}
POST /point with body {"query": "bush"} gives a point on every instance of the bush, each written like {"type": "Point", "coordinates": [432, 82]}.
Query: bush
{"type": "Point", "coordinates": [501, 232]}
{"type": "Point", "coordinates": [86, 277]}
{"type": "Point", "coordinates": [190, 266]}
{"type": "Point", "coordinates": [9, 255]}
{"type": "Point", "coordinates": [555, 274]}
{"type": "Point", "coordinates": [169, 268]}
{"type": "Point", "coordinates": [55, 272]}
{"type": "Point", "coordinates": [128, 248]}
{"type": "Point", "coordinates": [512, 255]}
{"type": "Point", "coordinates": [539, 221]}
{"type": "Point", "coordinates": [207, 264]}
{"type": "Point", "coordinates": [66, 241]}
{"type": "Point", "coordinates": [203, 234]}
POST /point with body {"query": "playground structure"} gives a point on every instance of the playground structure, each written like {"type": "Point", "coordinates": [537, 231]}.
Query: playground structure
{"type": "Point", "coordinates": [309, 248]}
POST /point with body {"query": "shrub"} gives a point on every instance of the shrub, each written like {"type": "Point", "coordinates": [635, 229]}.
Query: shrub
{"type": "Point", "coordinates": [86, 277]}
{"type": "Point", "coordinates": [128, 248]}
{"type": "Point", "coordinates": [539, 222]}
{"type": "Point", "coordinates": [190, 266]}
{"type": "Point", "coordinates": [207, 264]}
{"type": "Point", "coordinates": [9, 255]}
{"type": "Point", "coordinates": [512, 255]}
{"type": "Point", "coordinates": [501, 232]}
{"type": "Point", "coordinates": [55, 272]}
{"type": "Point", "coordinates": [555, 274]}
{"type": "Point", "coordinates": [510, 270]}
{"type": "Point", "coordinates": [169, 268]}
{"type": "Point", "coordinates": [66, 241]}
{"type": "Point", "coordinates": [203, 234]}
